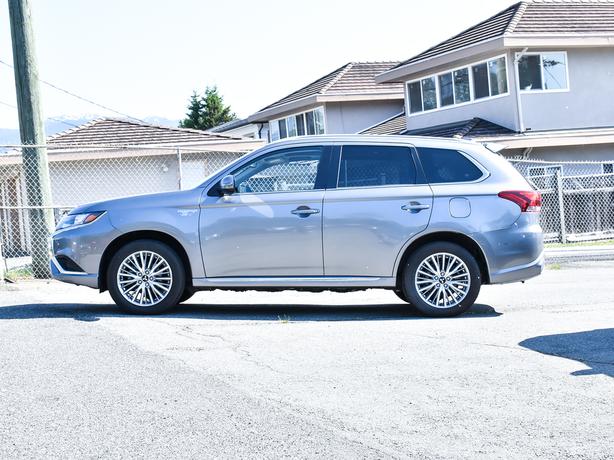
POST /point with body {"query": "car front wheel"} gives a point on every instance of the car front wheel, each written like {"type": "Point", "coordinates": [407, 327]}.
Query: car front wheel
{"type": "Point", "coordinates": [146, 277]}
{"type": "Point", "coordinates": [442, 279]}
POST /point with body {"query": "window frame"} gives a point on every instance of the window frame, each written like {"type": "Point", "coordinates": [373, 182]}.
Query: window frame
{"type": "Point", "coordinates": [296, 114]}
{"type": "Point", "coordinates": [321, 173]}
{"type": "Point", "coordinates": [517, 57]}
{"type": "Point", "coordinates": [471, 100]}
{"type": "Point", "coordinates": [411, 150]}
{"type": "Point", "coordinates": [485, 173]}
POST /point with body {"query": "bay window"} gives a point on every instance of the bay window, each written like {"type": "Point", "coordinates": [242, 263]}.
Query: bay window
{"type": "Point", "coordinates": [311, 122]}
{"type": "Point", "coordinates": [459, 86]}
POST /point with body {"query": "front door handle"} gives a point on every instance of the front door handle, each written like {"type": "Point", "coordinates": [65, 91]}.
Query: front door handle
{"type": "Point", "coordinates": [415, 207]}
{"type": "Point", "coordinates": [304, 211]}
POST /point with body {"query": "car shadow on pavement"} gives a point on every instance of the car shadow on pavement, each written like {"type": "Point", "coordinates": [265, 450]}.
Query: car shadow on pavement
{"type": "Point", "coordinates": [594, 349]}
{"type": "Point", "coordinates": [242, 312]}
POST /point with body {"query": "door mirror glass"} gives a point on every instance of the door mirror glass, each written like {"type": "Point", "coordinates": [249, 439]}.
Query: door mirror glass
{"type": "Point", "coordinates": [227, 185]}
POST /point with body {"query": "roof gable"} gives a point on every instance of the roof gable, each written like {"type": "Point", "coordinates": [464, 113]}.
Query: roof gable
{"type": "Point", "coordinates": [353, 78]}
{"type": "Point", "coordinates": [113, 131]}
{"type": "Point", "coordinates": [526, 19]}
{"type": "Point", "coordinates": [492, 27]}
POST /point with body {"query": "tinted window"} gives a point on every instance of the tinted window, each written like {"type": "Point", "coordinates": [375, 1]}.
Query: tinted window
{"type": "Point", "coordinates": [370, 166]}
{"type": "Point", "coordinates": [282, 171]}
{"type": "Point", "coordinates": [444, 165]}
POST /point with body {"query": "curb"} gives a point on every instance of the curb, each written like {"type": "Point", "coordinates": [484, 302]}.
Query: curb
{"type": "Point", "coordinates": [579, 254]}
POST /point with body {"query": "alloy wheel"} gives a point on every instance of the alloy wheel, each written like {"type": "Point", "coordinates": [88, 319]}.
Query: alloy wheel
{"type": "Point", "coordinates": [144, 278]}
{"type": "Point", "coordinates": [442, 280]}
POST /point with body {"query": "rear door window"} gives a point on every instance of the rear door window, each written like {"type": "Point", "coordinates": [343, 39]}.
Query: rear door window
{"type": "Point", "coordinates": [447, 165]}
{"type": "Point", "coordinates": [375, 165]}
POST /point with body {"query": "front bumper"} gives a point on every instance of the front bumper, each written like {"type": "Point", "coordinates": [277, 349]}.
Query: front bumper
{"type": "Point", "coordinates": [79, 278]}
{"type": "Point", "coordinates": [84, 245]}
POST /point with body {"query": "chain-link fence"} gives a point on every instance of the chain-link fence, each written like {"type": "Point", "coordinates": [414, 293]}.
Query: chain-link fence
{"type": "Point", "coordinates": [578, 198]}
{"type": "Point", "coordinates": [79, 176]}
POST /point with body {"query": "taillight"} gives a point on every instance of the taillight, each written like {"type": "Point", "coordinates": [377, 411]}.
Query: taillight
{"type": "Point", "coordinates": [529, 201]}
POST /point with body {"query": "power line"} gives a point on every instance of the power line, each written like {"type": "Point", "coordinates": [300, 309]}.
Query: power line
{"type": "Point", "coordinates": [89, 101]}
{"type": "Point", "coordinates": [50, 118]}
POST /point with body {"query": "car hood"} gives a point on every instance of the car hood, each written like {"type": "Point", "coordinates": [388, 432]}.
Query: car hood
{"type": "Point", "coordinates": [183, 198]}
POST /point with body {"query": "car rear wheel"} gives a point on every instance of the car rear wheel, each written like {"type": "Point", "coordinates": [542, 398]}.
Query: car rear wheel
{"type": "Point", "coordinates": [442, 279]}
{"type": "Point", "coordinates": [146, 277]}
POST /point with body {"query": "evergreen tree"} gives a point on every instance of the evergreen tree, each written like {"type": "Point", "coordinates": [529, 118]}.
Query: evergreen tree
{"type": "Point", "coordinates": [193, 118]}
{"type": "Point", "coordinates": [207, 111]}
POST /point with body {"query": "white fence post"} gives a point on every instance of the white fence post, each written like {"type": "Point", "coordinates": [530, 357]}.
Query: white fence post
{"type": "Point", "coordinates": [2, 259]}
{"type": "Point", "coordinates": [559, 189]}
{"type": "Point", "coordinates": [179, 169]}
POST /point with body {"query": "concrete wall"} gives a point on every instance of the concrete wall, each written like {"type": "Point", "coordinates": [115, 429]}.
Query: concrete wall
{"type": "Point", "coordinates": [352, 117]}
{"type": "Point", "coordinates": [588, 103]}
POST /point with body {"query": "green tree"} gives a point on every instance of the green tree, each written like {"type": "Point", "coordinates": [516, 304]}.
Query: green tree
{"type": "Point", "coordinates": [205, 112]}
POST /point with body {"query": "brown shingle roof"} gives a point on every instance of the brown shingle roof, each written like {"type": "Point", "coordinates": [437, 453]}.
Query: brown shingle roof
{"type": "Point", "coordinates": [351, 78]}
{"type": "Point", "coordinates": [113, 131]}
{"type": "Point", "coordinates": [467, 129]}
{"type": "Point", "coordinates": [394, 125]}
{"type": "Point", "coordinates": [566, 17]}
{"type": "Point", "coordinates": [530, 17]}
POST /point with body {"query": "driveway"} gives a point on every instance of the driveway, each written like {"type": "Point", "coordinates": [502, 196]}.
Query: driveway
{"type": "Point", "coordinates": [528, 372]}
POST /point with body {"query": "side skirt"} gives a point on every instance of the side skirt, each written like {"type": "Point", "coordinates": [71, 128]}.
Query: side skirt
{"type": "Point", "coordinates": [295, 282]}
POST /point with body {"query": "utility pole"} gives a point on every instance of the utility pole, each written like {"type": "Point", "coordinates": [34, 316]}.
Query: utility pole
{"type": "Point", "coordinates": [34, 159]}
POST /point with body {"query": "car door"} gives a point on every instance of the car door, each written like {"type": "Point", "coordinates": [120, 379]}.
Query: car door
{"type": "Point", "coordinates": [272, 224]}
{"type": "Point", "coordinates": [379, 203]}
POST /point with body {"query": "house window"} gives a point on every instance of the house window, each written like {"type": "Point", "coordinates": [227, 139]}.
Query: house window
{"type": "Point", "coordinates": [462, 93]}
{"type": "Point", "coordinates": [543, 71]}
{"type": "Point", "coordinates": [480, 81]}
{"type": "Point", "coordinates": [497, 74]}
{"type": "Point", "coordinates": [446, 90]}
{"type": "Point", "coordinates": [458, 86]}
{"type": "Point", "coordinates": [311, 122]}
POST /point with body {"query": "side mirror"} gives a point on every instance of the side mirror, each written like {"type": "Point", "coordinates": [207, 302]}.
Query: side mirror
{"type": "Point", "coordinates": [227, 185]}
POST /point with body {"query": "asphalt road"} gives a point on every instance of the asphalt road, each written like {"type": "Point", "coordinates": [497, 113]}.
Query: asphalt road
{"type": "Point", "coordinates": [528, 372]}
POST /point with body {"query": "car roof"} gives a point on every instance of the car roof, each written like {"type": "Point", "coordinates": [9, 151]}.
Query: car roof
{"type": "Point", "coordinates": [371, 139]}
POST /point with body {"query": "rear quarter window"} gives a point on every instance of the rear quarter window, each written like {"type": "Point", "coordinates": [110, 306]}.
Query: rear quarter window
{"type": "Point", "coordinates": [447, 165]}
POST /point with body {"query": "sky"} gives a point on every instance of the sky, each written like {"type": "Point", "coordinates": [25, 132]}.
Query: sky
{"type": "Point", "coordinates": [145, 57]}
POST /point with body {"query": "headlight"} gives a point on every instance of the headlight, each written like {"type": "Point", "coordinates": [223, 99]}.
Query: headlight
{"type": "Point", "coordinates": [70, 220]}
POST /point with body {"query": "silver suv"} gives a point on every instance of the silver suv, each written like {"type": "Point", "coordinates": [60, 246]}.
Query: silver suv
{"type": "Point", "coordinates": [430, 219]}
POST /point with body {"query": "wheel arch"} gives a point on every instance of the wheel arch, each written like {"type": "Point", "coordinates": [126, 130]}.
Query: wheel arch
{"type": "Point", "coordinates": [462, 240]}
{"type": "Point", "coordinates": [141, 235]}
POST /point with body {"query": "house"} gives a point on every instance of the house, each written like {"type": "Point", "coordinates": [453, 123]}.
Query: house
{"type": "Point", "coordinates": [108, 158]}
{"type": "Point", "coordinates": [537, 77]}
{"type": "Point", "coordinates": [345, 101]}
{"type": "Point", "coordinates": [240, 128]}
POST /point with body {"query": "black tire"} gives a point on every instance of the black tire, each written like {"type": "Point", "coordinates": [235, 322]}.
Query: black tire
{"type": "Point", "coordinates": [173, 260]}
{"type": "Point", "coordinates": [187, 294]}
{"type": "Point", "coordinates": [414, 262]}
{"type": "Point", "coordinates": [401, 295]}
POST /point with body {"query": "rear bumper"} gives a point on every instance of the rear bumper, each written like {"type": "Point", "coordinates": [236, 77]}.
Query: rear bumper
{"type": "Point", "coordinates": [519, 272]}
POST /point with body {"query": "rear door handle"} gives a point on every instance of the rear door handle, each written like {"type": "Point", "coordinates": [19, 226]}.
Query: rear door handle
{"type": "Point", "coordinates": [304, 211]}
{"type": "Point", "coordinates": [415, 207]}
